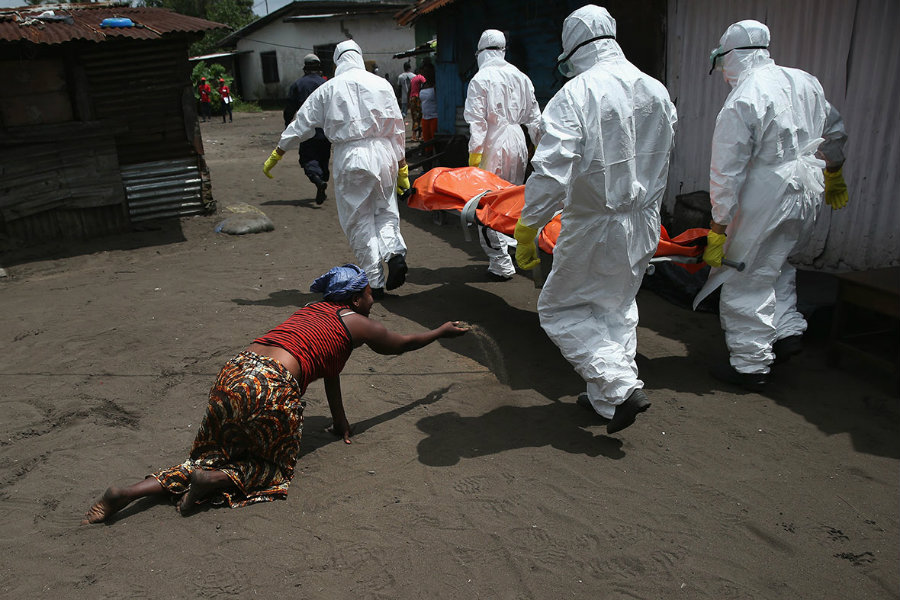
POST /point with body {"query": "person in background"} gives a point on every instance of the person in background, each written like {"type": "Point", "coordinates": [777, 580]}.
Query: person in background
{"type": "Point", "coordinates": [603, 160]}
{"type": "Point", "coordinates": [316, 152]}
{"type": "Point", "coordinates": [415, 105]}
{"type": "Point", "coordinates": [227, 100]}
{"type": "Point", "coordinates": [249, 439]}
{"type": "Point", "coordinates": [204, 90]}
{"type": "Point", "coordinates": [773, 137]}
{"type": "Point", "coordinates": [404, 80]}
{"type": "Point", "coordinates": [360, 115]}
{"type": "Point", "coordinates": [428, 99]}
{"type": "Point", "coordinates": [499, 100]}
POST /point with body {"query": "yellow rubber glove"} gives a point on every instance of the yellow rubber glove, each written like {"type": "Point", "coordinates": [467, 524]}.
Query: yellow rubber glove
{"type": "Point", "coordinates": [526, 251]}
{"type": "Point", "coordinates": [475, 159]}
{"type": "Point", "coordinates": [835, 190]}
{"type": "Point", "coordinates": [402, 179]}
{"type": "Point", "coordinates": [715, 249]}
{"type": "Point", "coordinates": [270, 163]}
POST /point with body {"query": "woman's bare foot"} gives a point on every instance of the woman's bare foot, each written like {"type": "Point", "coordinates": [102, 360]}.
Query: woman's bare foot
{"type": "Point", "coordinates": [203, 483]}
{"type": "Point", "coordinates": [112, 501]}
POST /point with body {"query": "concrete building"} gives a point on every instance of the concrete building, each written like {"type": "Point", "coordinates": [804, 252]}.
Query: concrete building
{"type": "Point", "coordinates": [269, 52]}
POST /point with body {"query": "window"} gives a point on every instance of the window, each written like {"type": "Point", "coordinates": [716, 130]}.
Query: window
{"type": "Point", "coordinates": [269, 67]}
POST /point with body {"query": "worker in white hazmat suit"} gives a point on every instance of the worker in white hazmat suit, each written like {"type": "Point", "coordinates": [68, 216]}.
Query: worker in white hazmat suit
{"type": "Point", "coordinates": [773, 136]}
{"type": "Point", "coordinates": [359, 113]}
{"type": "Point", "coordinates": [500, 99]}
{"type": "Point", "coordinates": [603, 159]}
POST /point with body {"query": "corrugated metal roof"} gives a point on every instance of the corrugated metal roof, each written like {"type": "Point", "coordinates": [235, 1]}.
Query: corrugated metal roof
{"type": "Point", "coordinates": [421, 8]}
{"type": "Point", "coordinates": [853, 49]}
{"type": "Point", "coordinates": [82, 22]}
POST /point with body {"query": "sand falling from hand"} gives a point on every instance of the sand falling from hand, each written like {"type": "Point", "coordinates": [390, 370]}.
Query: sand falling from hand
{"type": "Point", "coordinates": [490, 350]}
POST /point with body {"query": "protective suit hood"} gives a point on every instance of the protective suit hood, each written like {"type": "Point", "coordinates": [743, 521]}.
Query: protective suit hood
{"type": "Point", "coordinates": [744, 33]}
{"type": "Point", "coordinates": [738, 42]}
{"type": "Point", "coordinates": [348, 55]}
{"type": "Point", "coordinates": [583, 25]}
{"type": "Point", "coordinates": [491, 48]}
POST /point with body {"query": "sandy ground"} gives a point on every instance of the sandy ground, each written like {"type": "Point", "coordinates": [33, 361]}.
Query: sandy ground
{"type": "Point", "coordinates": [472, 474]}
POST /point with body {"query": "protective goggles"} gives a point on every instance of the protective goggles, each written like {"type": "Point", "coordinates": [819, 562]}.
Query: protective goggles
{"type": "Point", "coordinates": [717, 53]}
{"type": "Point", "coordinates": [565, 69]}
{"type": "Point", "coordinates": [348, 50]}
{"type": "Point", "coordinates": [490, 48]}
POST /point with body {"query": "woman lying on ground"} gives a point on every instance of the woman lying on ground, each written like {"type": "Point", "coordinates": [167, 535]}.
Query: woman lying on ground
{"type": "Point", "coordinates": [249, 440]}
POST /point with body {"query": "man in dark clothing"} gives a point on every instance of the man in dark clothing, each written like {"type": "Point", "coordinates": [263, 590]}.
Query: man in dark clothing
{"type": "Point", "coordinates": [315, 152]}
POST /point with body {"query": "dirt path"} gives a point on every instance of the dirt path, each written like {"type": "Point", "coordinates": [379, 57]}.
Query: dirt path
{"type": "Point", "coordinates": [472, 474]}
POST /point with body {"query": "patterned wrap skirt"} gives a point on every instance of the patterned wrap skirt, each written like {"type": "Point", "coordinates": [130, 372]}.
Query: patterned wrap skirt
{"type": "Point", "coordinates": [251, 432]}
{"type": "Point", "coordinates": [415, 113]}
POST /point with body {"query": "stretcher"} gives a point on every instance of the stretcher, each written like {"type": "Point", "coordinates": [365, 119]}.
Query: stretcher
{"type": "Point", "coordinates": [480, 197]}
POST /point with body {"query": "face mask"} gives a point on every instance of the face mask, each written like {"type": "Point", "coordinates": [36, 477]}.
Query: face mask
{"type": "Point", "coordinates": [565, 66]}
{"type": "Point", "coordinates": [717, 53]}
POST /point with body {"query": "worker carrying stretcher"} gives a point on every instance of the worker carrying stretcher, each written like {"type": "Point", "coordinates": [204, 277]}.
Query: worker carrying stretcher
{"type": "Point", "coordinates": [488, 200]}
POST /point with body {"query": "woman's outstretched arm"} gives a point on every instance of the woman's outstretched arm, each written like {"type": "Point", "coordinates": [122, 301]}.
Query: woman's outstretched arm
{"type": "Point", "coordinates": [383, 341]}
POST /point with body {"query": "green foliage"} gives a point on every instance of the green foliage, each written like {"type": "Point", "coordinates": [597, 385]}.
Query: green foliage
{"type": "Point", "coordinates": [234, 13]}
{"type": "Point", "coordinates": [212, 73]}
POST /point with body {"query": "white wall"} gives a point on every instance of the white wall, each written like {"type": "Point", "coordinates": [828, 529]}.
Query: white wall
{"type": "Point", "coordinates": [379, 36]}
{"type": "Point", "coordinates": [852, 47]}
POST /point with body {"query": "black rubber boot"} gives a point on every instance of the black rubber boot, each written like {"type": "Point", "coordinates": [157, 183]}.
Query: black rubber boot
{"type": "Point", "coordinates": [754, 382]}
{"type": "Point", "coordinates": [626, 412]}
{"type": "Point", "coordinates": [494, 277]}
{"type": "Point", "coordinates": [320, 192]}
{"type": "Point", "coordinates": [787, 347]}
{"type": "Point", "coordinates": [396, 272]}
{"type": "Point", "coordinates": [584, 402]}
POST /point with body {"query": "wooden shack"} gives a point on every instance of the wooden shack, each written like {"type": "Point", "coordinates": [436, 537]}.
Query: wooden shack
{"type": "Point", "coordinates": [98, 122]}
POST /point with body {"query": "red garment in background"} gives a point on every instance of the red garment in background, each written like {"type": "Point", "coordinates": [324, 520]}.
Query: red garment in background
{"type": "Point", "coordinates": [205, 90]}
{"type": "Point", "coordinates": [429, 128]}
{"type": "Point", "coordinates": [415, 85]}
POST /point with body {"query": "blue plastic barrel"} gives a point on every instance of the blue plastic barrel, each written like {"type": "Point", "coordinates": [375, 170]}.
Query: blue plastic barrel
{"type": "Point", "coordinates": [117, 22]}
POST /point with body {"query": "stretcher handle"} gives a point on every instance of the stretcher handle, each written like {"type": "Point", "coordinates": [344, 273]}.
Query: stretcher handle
{"type": "Point", "coordinates": [467, 214]}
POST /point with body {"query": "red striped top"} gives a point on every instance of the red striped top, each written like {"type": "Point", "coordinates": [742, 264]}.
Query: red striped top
{"type": "Point", "coordinates": [316, 336]}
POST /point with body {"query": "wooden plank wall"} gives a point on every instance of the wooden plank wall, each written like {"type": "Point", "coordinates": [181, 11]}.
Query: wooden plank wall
{"type": "Point", "coordinates": [67, 166]}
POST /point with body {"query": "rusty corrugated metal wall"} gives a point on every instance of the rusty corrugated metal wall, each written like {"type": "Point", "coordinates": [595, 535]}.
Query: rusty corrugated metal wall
{"type": "Point", "coordinates": [140, 87]}
{"type": "Point", "coordinates": [144, 88]}
{"type": "Point", "coordinates": [853, 49]}
{"type": "Point", "coordinates": [132, 108]}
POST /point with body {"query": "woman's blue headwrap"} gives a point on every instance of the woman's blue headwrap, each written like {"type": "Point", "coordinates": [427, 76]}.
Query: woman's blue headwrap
{"type": "Point", "coordinates": [340, 283]}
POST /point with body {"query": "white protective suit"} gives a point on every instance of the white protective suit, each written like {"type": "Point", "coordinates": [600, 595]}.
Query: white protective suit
{"type": "Point", "coordinates": [603, 159]}
{"type": "Point", "coordinates": [500, 99]}
{"type": "Point", "coordinates": [359, 113]}
{"type": "Point", "coordinates": [766, 185]}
